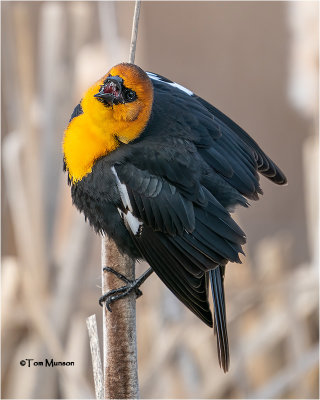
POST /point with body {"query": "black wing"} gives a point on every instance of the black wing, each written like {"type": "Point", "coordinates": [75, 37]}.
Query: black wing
{"type": "Point", "coordinates": [181, 230]}
{"type": "Point", "coordinates": [182, 176]}
{"type": "Point", "coordinates": [264, 164]}
{"type": "Point", "coordinates": [226, 148]}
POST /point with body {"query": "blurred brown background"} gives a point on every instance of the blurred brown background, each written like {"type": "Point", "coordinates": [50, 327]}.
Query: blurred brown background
{"type": "Point", "coordinates": [258, 63]}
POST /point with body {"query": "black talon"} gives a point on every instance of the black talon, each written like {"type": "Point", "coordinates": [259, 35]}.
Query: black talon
{"type": "Point", "coordinates": [117, 274]}
{"type": "Point", "coordinates": [121, 292]}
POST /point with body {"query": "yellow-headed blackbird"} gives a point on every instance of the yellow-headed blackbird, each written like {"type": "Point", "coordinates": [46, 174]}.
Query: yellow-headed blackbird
{"type": "Point", "coordinates": [158, 169]}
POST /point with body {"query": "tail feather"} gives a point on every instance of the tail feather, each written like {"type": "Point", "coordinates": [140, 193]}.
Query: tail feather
{"type": "Point", "coordinates": [220, 323]}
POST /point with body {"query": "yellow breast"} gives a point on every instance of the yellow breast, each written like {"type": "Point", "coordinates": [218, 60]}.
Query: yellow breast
{"type": "Point", "coordinates": [83, 144]}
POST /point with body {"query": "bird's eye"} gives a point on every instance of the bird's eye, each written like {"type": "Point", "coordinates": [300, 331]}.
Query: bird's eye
{"type": "Point", "coordinates": [130, 95]}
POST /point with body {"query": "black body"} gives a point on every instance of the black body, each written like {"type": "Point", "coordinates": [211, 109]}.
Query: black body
{"type": "Point", "coordinates": [184, 175]}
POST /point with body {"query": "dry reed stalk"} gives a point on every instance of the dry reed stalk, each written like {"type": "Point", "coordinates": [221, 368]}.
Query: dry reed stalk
{"type": "Point", "coordinates": [119, 333]}
{"type": "Point", "coordinates": [96, 357]}
{"type": "Point", "coordinates": [119, 327]}
{"type": "Point", "coordinates": [119, 330]}
{"type": "Point", "coordinates": [134, 33]}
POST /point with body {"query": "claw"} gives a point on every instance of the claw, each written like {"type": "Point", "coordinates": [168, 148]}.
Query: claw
{"type": "Point", "coordinates": [108, 302]}
{"type": "Point", "coordinates": [121, 292]}
{"type": "Point", "coordinates": [117, 274]}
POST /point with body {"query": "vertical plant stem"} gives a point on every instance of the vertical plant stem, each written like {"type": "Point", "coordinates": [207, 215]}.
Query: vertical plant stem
{"type": "Point", "coordinates": [95, 355]}
{"type": "Point", "coordinates": [119, 343]}
{"type": "Point", "coordinates": [134, 33]}
{"type": "Point", "coordinates": [119, 326]}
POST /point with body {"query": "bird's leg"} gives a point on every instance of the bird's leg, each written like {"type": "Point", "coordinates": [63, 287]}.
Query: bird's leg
{"type": "Point", "coordinates": [123, 291]}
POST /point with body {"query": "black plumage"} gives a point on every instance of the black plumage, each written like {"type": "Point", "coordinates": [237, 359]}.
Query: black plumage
{"type": "Point", "coordinates": [166, 197]}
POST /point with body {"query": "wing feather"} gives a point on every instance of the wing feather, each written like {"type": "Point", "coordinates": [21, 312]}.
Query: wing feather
{"type": "Point", "coordinates": [186, 172]}
{"type": "Point", "coordinates": [180, 239]}
{"type": "Point", "coordinates": [265, 165]}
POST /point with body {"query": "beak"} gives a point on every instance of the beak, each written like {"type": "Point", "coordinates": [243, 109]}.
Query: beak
{"type": "Point", "coordinates": [109, 98]}
{"type": "Point", "coordinates": [106, 97]}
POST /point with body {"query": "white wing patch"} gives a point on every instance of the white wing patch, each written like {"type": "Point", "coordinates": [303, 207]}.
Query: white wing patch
{"type": "Point", "coordinates": [123, 191]}
{"type": "Point", "coordinates": [133, 223]}
{"type": "Point", "coordinates": [189, 92]}
{"type": "Point", "coordinates": [130, 220]}
{"type": "Point", "coordinates": [176, 85]}
{"type": "Point", "coordinates": [151, 75]}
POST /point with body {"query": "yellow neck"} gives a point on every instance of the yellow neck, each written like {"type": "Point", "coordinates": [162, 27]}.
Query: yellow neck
{"type": "Point", "coordinates": [84, 143]}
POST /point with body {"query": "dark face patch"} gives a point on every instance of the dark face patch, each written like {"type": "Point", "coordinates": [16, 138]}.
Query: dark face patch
{"type": "Point", "coordinates": [113, 92]}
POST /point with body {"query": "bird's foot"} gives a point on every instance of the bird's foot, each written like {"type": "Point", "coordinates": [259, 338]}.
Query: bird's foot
{"type": "Point", "coordinates": [123, 291]}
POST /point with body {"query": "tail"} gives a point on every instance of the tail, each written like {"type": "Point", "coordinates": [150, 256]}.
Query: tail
{"type": "Point", "coordinates": [220, 323]}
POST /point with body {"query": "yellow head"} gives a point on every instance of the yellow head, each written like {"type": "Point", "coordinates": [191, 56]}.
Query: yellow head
{"type": "Point", "coordinates": [116, 109]}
